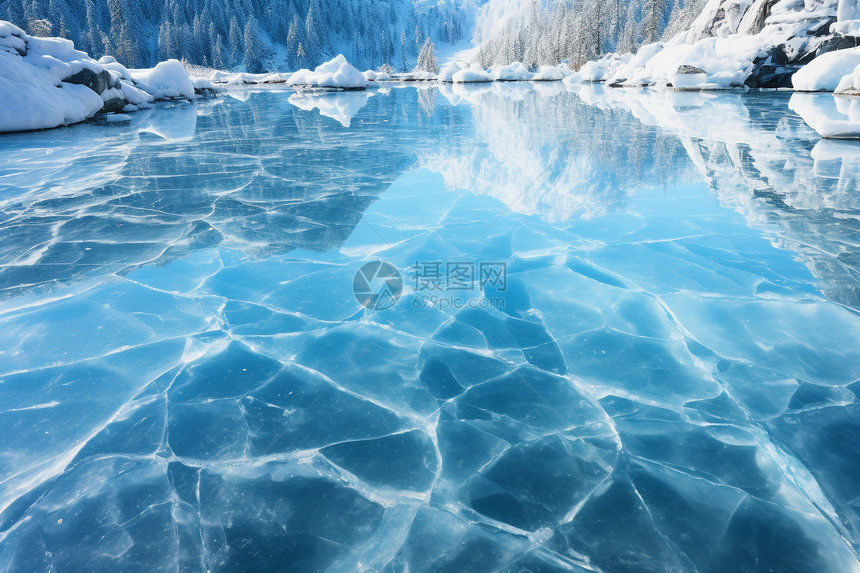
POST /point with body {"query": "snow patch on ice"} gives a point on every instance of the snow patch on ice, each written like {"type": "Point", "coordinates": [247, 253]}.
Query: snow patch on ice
{"type": "Point", "coordinates": [336, 73]}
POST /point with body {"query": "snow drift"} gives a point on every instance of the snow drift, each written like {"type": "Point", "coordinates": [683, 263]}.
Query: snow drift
{"type": "Point", "coordinates": [336, 73]}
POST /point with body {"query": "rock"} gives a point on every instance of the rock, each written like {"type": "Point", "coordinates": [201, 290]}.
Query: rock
{"type": "Point", "coordinates": [754, 20]}
{"type": "Point", "coordinates": [96, 81]}
{"type": "Point", "coordinates": [833, 44]}
{"type": "Point", "coordinates": [114, 105]}
{"type": "Point", "coordinates": [686, 69]}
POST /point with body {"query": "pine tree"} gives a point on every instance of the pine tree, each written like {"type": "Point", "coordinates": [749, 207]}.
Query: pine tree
{"type": "Point", "coordinates": [312, 33]}
{"type": "Point", "coordinates": [630, 37]}
{"type": "Point", "coordinates": [253, 48]}
{"type": "Point", "coordinates": [427, 58]}
{"type": "Point", "coordinates": [294, 38]}
{"type": "Point", "coordinates": [403, 65]}
{"type": "Point", "coordinates": [218, 54]}
{"type": "Point", "coordinates": [234, 41]}
{"type": "Point", "coordinates": [300, 55]}
{"type": "Point", "coordinates": [655, 11]}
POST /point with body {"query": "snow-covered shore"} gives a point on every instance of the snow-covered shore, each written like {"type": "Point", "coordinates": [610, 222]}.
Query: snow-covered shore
{"type": "Point", "coordinates": [778, 44]}
{"type": "Point", "coordinates": [46, 82]}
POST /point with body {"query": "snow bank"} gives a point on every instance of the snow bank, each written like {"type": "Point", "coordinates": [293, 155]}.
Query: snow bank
{"type": "Point", "coordinates": [447, 73]}
{"type": "Point", "coordinates": [733, 43]}
{"type": "Point", "coordinates": [166, 80]}
{"type": "Point", "coordinates": [826, 72]}
{"type": "Point", "coordinates": [243, 78]}
{"type": "Point", "coordinates": [472, 74]}
{"type": "Point", "coordinates": [599, 70]}
{"type": "Point", "coordinates": [33, 92]}
{"type": "Point", "coordinates": [515, 72]}
{"type": "Point", "coordinates": [549, 74]}
{"type": "Point", "coordinates": [336, 73]}
{"type": "Point", "coordinates": [46, 82]}
{"type": "Point", "coordinates": [834, 117]}
{"type": "Point", "coordinates": [372, 76]}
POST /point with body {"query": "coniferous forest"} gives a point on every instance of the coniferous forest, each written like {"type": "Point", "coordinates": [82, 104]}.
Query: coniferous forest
{"type": "Point", "coordinates": [280, 35]}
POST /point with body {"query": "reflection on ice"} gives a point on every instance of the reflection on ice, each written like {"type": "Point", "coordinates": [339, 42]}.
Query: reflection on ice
{"type": "Point", "coordinates": [540, 151]}
{"type": "Point", "coordinates": [757, 159]}
{"type": "Point", "coordinates": [843, 155]}
{"type": "Point", "coordinates": [340, 106]}
{"type": "Point", "coordinates": [832, 116]}
{"type": "Point", "coordinates": [669, 383]}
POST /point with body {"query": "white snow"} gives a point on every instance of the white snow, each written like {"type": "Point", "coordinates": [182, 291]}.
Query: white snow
{"type": "Point", "coordinates": [472, 74]}
{"type": "Point", "coordinates": [848, 10]}
{"type": "Point", "coordinates": [834, 117]}
{"type": "Point", "coordinates": [166, 80]}
{"type": "Point", "coordinates": [549, 74]}
{"type": "Point", "coordinates": [447, 73]}
{"type": "Point", "coordinates": [31, 91]}
{"type": "Point", "coordinates": [336, 73]}
{"type": "Point", "coordinates": [826, 72]}
{"type": "Point", "coordinates": [724, 41]}
{"type": "Point", "coordinates": [515, 72]}
{"type": "Point", "coordinates": [34, 94]}
{"type": "Point", "coordinates": [846, 28]}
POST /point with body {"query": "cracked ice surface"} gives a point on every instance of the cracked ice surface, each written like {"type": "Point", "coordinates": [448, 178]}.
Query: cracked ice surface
{"type": "Point", "coordinates": [187, 381]}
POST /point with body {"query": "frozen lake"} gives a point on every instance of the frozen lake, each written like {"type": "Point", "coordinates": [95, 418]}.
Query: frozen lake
{"type": "Point", "coordinates": [617, 330]}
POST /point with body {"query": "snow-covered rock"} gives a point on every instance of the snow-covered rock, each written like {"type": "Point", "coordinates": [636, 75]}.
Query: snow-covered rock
{"type": "Point", "coordinates": [515, 72]}
{"type": "Point", "coordinates": [166, 80]}
{"type": "Point", "coordinates": [46, 82]}
{"type": "Point", "coordinates": [548, 74]}
{"type": "Point", "coordinates": [734, 43]}
{"type": "Point", "coordinates": [447, 72]}
{"type": "Point", "coordinates": [833, 117]}
{"type": "Point", "coordinates": [336, 73]}
{"type": "Point", "coordinates": [472, 74]}
{"type": "Point", "coordinates": [826, 72]}
{"type": "Point", "coordinates": [599, 70]}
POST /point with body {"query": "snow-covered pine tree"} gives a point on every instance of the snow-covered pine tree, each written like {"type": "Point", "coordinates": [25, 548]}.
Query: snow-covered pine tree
{"type": "Point", "coordinates": [403, 65]}
{"type": "Point", "coordinates": [300, 55]}
{"type": "Point", "coordinates": [312, 32]}
{"type": "Point", "coordinates": [294, 38]}
{"type": "Point", "coordinates": [253, 48]}
{"type": "Point", "coordinates": [630, 36]}
{"type": "Point", "coordinates": [652, 27]}
{"type": "Point", "coordinates": [427, 58]}
{"type": "Point", "coordinates": [234, 42]}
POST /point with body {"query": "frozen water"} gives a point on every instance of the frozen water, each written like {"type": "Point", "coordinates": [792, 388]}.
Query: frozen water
{"type": "Point", "coordinates": [668, 381]}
